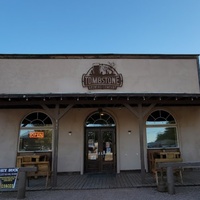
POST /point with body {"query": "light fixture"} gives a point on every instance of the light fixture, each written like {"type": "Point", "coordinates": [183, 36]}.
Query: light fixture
{"type": "Point", "coordinates": [100, 111]}
{"type": "Point", "coordinates": [70, 133]}
{"type": "Point", "coordinates": [129, 132]}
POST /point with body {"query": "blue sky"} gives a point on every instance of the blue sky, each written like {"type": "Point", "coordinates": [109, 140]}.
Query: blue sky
{"type": "Point", "coordinates": [100, 26]}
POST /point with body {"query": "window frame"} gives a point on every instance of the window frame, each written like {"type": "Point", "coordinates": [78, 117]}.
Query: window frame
{"type": "Point", "coordinates": [35, 128]}
{"type": "Point", "coordinates": [174, 125]}
{"type": "Point", "coordinates": [101, 118]}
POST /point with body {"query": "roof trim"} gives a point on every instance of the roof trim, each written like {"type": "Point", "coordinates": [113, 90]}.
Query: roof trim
{"type": "Point", "coordinates": [99, 56]}
{"type": "Point", "coordinates": [56, 95]}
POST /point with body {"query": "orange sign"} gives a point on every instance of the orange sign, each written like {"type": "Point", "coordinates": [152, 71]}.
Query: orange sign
{"type": "Point", "coordinates": [36, 135]}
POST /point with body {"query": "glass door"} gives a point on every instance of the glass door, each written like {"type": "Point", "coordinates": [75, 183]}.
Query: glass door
{"type": "Point", "coordinates": [100, 150]}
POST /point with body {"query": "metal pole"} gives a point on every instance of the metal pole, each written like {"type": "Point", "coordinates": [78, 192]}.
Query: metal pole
{"type": "Point", "coordinates": [22, 175]}
{"type": "Point", "coordinates": [170, 180]}
{"type": "Point", "coordinates": [22, 185]}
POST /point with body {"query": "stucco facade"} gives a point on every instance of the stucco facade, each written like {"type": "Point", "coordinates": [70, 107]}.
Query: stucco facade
{"type": "Point", "coordinates": [53, 84]}
{"type": "Point", "coordinates": [43, 76]}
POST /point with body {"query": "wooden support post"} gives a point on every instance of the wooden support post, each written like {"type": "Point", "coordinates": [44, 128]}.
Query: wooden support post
{"type": "Point", "coordinates": [141, 134]}
{"type": "Point", "coordinates": [140, 115]}
{"type": "Point", "coordinates": [56, 114]}
{"type": "Point", "coordinates": [55, 153]}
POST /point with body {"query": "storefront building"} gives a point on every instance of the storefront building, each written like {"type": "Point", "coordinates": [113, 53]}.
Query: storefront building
{"type": "Point", "coordinates": [98, 113]}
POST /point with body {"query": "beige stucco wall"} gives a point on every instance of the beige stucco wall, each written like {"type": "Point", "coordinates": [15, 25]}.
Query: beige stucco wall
{"type": "Point", "coordinates": [189, 132]}
{"type": "Point", "coordinates": [70, 148]}
{"type": "Point", "coordinates": [70, 156]}
{"type": "Point", "coordinates": [43, 76]}
{"type": "Point", "coordinates": [9, 130]}
{"type": "Point", "coordinates": [129, 145]}
{"type": "Point", "coordinates": [188, 126]}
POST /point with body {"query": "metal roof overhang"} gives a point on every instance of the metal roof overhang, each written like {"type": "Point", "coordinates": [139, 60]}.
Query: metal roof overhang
{"type": "Point", "coordinates": [96, 100]}
{"type": "Point", "coordinates": [99, 56]}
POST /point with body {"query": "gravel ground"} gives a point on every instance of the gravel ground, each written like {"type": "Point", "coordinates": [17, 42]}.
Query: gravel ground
{"type": "Point", "coordinates": [182, 193]}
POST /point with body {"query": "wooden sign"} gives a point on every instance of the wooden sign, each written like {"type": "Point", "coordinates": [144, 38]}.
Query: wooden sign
{"type": "Point", "coordinates": [102, 76]}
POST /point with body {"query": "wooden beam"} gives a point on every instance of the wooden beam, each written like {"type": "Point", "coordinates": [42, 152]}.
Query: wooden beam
{"type": "Point", "coordinates": [140, 113]}
{"type": "Point", "coordinates": [146, 110]}
{"type": "Point", "coordinates": [56, 114]}
{"type": "Point", "coordinates": [132, 110]}
{"type": "Point", "coordinates": [48, 111]}
{"type": "Point", "coordinates": [61, 114]}
{"type": "Point", "coordinates": [55, 152]}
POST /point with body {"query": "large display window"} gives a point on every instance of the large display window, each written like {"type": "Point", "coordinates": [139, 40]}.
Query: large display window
{"type": "Point", "coordinates": [161, 130]}
{"type": "Point", "coordinates": [36, 133]}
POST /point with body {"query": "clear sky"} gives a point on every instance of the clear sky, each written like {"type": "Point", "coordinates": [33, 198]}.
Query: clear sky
{"type": "Point", "coordinates": [100, 26]}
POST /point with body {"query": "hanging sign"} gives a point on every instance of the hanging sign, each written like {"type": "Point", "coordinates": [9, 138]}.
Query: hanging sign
{"type": "Point", "coordinates": [102, 76]}
{"type": "Point", "coordinates": [8, 178]}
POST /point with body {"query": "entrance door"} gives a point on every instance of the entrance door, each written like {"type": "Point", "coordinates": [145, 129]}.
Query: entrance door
{"type": "Point", "coordinates": [100, 150]}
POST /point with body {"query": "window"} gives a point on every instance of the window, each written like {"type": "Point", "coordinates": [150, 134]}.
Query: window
{"type": "Point", "coordinates": [36, 132]}
{"type": "Point", "coordinates": [99, 119]}
{"type": "Point", "coordinates": [161, 130]}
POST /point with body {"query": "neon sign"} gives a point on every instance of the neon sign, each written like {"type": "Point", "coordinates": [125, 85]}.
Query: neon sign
{"type": "Point", "coordinates": [36, 135]}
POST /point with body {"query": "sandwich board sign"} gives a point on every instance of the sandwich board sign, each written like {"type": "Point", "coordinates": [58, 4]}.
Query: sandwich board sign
{"type": "Point", "coordinates": [8, 178]}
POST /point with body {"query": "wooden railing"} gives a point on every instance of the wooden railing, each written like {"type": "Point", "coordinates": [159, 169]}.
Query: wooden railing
{"type": "Point", "coordinates": [170, 166]}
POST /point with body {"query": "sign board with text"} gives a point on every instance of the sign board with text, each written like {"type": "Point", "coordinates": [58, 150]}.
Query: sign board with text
{"type": "Point", "coordinates": [8, 178]}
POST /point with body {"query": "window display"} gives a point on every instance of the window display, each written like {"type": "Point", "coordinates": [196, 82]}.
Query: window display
{"type": "Point", "coordinates": [161, 130]}
{"type": "Point", "coordinates": [36, 133]}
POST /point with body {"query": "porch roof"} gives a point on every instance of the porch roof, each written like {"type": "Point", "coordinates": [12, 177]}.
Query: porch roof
{"type": "Point", "coordinates": [87, 100]}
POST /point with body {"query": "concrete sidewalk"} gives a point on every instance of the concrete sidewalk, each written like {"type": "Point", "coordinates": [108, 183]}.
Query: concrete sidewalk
{"type": "Point", "coordinates": [148, 193]}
